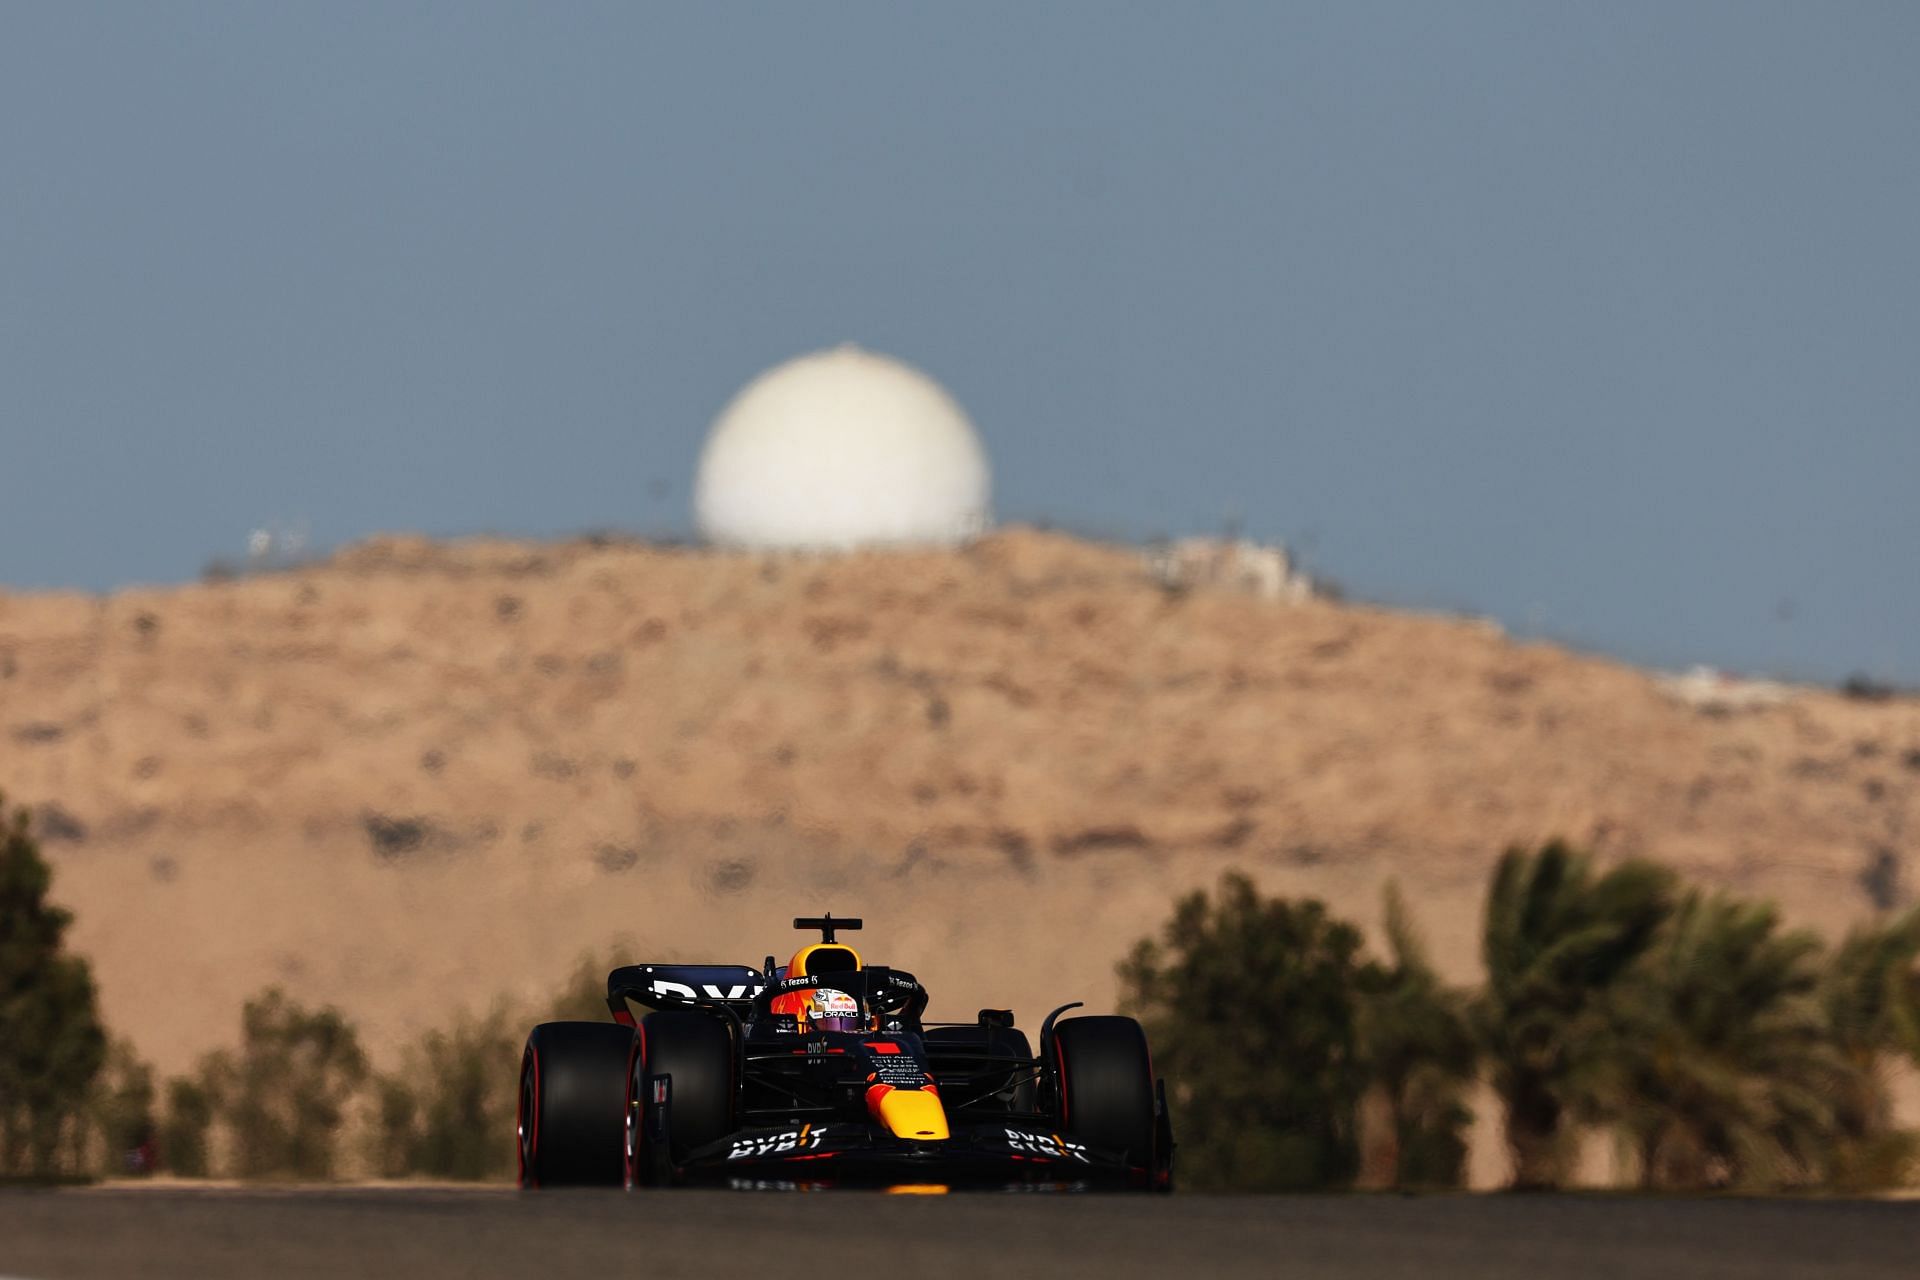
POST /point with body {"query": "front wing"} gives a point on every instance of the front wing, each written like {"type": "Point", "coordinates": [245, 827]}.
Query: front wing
{"type": "Point", "coordinates": [852, 1154]}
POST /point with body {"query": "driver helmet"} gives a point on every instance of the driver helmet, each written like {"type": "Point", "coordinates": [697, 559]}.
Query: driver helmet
{"type": "Point", "coordinates": [830, 1010]}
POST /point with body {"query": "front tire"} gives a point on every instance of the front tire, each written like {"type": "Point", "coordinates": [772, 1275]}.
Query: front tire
{"type": "Point", "coordinates": [697, 1051]}
{"type": "Point", "coordinates": [572, 1121]}
{"type": "Point", "coordinates": [1104, 1090]}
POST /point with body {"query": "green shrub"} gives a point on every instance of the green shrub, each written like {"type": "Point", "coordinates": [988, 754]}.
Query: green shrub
{"type": "Point", "coordinates": [1251, 1006]}
{"type": "Point", "coordinates": [450, 1112]}
{"type": "Point", "coordinates": [282, 1094]}
{"type": "Point", "coordinates": [395, 1141]}
{"type": "Point", "coordinates": [123, 1113]}
{"type": "Point", "coordinates": [184, 1130]}
{"type": "Point", "coordinates": [52, 1045]}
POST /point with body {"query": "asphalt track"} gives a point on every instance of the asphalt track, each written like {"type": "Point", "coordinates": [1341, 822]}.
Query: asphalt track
{"type": "Point", "coordinates": [200, 1233]}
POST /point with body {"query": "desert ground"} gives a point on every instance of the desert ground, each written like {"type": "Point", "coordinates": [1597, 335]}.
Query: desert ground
{"type": "Point", "coordinates": [421, 776]}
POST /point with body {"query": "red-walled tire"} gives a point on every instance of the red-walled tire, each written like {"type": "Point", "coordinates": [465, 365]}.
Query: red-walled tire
{"type": "Point", "coordinates": [573, 1099]}
{"type": "Point", "coordinates": [1104, 1082]}
{"type": "Point", "coordinates": [697, 1051]}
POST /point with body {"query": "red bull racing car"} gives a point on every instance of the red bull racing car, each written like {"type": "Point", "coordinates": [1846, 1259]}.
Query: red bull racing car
{"type": "Point", "coordinates": [822, 1073]}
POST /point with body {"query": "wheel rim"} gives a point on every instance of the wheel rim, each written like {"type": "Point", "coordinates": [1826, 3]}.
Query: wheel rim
{"type": "Point", "coordinates": [525, 1124]}
{"type": "Point", "coordinates": [633, 1141]}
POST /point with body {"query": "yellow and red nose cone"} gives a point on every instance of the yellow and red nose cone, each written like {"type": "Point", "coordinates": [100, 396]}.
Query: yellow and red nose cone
{"type": "Point", "coordinates": [909, 1113]}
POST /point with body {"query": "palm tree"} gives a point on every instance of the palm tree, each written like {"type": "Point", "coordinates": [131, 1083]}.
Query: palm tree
{"type": "Point", "coordinates": [1417, 1042]}
{"type": "Point", "coordinates": [1730, 1075]}
{"type": "Point", "coordinates": [1872, 996]}
{"type": "Point", "coordinates": [1557, 941]}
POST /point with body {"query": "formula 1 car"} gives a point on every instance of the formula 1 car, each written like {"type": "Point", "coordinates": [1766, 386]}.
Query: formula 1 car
{"type": "Point", "coordinates": [821, 1073]}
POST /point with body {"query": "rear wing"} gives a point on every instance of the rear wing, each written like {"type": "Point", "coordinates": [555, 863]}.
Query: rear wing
{"type": "Point", "coordinates": [683, 986]}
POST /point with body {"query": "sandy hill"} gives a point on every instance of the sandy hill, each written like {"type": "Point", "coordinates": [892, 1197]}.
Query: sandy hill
{"type": "Point", "coordinates": [427, 774]}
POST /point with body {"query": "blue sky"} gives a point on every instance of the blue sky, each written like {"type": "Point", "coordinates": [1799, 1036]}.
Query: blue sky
{"type": "Point", "coordinates": [1603, 320]}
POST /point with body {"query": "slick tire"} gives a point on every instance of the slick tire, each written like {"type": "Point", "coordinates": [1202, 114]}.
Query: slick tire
{"type": "Point", "coordinates": [573, 1094]}
{"type": "Point", "coordinates": [1104, 1086]}
{"type": "Point", "coordinates": [697, 1051]}
{"type": "Point", "coordinates": [998, 1042]}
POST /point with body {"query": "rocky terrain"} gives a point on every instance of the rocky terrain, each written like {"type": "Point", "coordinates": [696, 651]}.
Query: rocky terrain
{"type": "Point", "coordinates": [424, 775]}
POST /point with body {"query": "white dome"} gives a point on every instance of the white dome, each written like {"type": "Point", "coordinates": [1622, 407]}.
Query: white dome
{"type": "Point", "coordinates": [841, 449]}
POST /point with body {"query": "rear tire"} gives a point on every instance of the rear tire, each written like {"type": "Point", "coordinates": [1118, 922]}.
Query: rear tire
{"type": "Point", "coordinates": [573, 1092]}
{"type": "Point", "coordinates": [1104, 1087]}
{"type": "Point", "coordinates": [697, 1051]}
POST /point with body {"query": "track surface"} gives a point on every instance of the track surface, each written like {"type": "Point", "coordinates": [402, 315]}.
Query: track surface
{"type": "Point", "coordinates": [200, 1233]}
